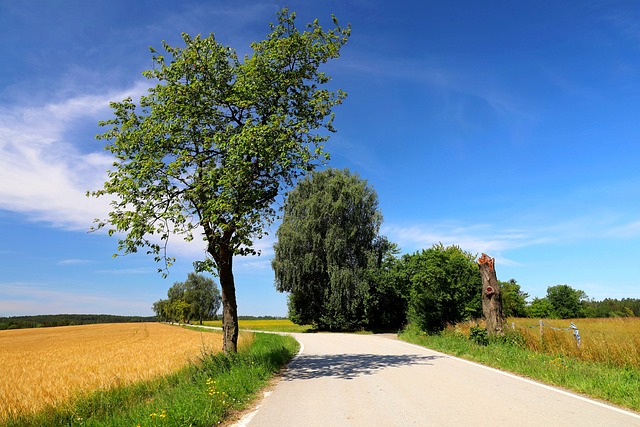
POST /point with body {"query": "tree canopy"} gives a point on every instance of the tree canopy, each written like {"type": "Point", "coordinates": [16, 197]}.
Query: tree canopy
{"type": "Point", "coordinates": [445, 287]}
{"type": "Point", "coordinates": [197, 298]}
{"type": "Point", "coordinates": [207, 151]}
{"type": "Point", "coordinates": [329, 224]}
{"type": "Point", "coordinates": [514, 299]}
{"type": "Point", "coordinates": [386, 302]}
{"type": "Point", "coordinates": [565, 301]}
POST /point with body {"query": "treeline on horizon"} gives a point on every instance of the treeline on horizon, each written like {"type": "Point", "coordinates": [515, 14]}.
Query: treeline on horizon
{"type": "Point", "coordinates": [626, 307]}
{"type": "Point", "coordinates": [52, 320]}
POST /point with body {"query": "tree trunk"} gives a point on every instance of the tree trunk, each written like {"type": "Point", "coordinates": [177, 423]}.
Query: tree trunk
{"type": "Point", "coordinates": [229, 304]}
{"type": "Point", "coordinates": [491, 296]}
{"type": "Point", "coordinates": [229, 309]}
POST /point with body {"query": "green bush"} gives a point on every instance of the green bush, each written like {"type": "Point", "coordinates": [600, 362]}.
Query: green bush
{"type": "Point", "coordinates": [479, 335]}
{"type": "Point", "coordinates": [445, 287]}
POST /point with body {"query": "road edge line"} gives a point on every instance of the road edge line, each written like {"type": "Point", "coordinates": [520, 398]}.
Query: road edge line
{"type": "Point", "coordinates": [530, 381]}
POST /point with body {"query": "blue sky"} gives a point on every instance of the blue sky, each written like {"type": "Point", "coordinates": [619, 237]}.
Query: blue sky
{"type": "Point", "coordinates": [510, 128]}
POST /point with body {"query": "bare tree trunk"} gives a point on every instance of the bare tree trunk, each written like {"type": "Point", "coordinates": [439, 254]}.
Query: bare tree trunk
{"type": "Point", "coordinates": [491, 296]}
{"type": "Point", "coordinates": [222, 254]}
{"type": "Point", "coordinates": [229, 307]}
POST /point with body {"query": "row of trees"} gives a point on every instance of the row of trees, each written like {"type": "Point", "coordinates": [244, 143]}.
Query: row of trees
{"type": "Point", "coordinates": [342, 275]}
{"type": "Point", "coordinates": [197, 298]}
{"type": "Point", "coordinates": [626, 307]}
{"type": "Point", "coordinates": [564, 302]}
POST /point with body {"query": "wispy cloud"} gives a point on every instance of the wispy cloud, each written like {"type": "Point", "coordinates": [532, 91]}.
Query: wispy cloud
{"type": "Point", "coordinates": [454, 84]}
{"type": "Point", "coordinates": [629, 230]}
{"type": "Point", "coordinates": [625, 24]}
{"type": "Point", "coordinates": [498, 240]}
{"type": "Point", "coordinates": [44, 173]}
{"type": "Point", "coordinates": [75, 261]}
{"type": "Point", "coordinates": [473, 238]}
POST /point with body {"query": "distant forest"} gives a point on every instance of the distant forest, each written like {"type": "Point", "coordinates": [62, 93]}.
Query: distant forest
{"type": "Point", "coordinates": [49, 320]}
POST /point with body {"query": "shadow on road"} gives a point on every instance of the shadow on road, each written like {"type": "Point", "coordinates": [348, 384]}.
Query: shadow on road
{"type": "Point", "coordinates": [349, 366]}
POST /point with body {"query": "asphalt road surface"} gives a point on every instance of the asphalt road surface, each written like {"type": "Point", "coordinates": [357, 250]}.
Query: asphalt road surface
{"type": "Point", "coordinates": [371, 380]}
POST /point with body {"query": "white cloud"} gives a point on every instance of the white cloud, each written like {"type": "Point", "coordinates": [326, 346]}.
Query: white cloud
{"type": "Point", "coordinates": [43, 174]}
{"type": "Point", "coordinates": [475, 238]}
{"type": "Point", "coordinates": [499, 239]}
{"type": "Point", "coordinates": [196, 250]}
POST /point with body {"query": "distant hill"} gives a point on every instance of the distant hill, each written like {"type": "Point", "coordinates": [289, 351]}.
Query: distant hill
{"type": "Point", "coordinates": [49, 320]}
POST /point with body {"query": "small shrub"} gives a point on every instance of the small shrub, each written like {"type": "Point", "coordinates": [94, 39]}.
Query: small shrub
{"type": "Point", "coordinates": [479, 335]}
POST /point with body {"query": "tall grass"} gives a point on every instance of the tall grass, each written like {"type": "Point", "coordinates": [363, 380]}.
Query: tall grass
{"type": "Point", "coordinates": [614, 341]}
{"type": "Point", "coordinates": [204, 393]}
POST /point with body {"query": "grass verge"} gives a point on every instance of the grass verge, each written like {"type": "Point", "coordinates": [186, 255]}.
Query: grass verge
{"type": "Point", "coordinates": [620, 386]}
{"type": "Point", "coordinates": [202, 394]}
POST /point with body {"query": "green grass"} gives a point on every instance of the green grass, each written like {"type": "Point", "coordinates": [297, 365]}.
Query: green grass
{"type": "Point", "coordinates": [620, 386]}
{"type": "Point", "coordinates": [267, 325]}
{"type": "Point", "coordinates": [202, 394]}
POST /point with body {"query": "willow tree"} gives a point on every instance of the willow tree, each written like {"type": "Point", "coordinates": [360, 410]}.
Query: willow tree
{"type": "Point", "coordinates": [329, 225]}
{"type": "Point", "coordinates": [207, 151]}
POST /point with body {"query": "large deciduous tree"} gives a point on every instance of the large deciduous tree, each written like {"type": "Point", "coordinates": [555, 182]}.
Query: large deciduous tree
{"type": "Point", "coordinates": [196, 298]}
{"type": "Point", "coordinates": [514, 299]}
{"type": "Point", "coordinates": [202, 294]}
{"type": "Point", "coordinates": [215, 141]}
{"type": "Point", "coordinates": [445, 287]}
{"type": "Point", "coordinates": [565, 301]}
{"type": "Point", "coordinates": [386, 302]}
{"type": "Point", "coordinates": [539, 308]}
{"type": "Point", "coordinates": [329, 224]}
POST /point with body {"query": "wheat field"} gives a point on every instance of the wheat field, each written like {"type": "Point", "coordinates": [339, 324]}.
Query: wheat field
{"type": "Point", "coordinates": [613, 341]}
{"type": "Point", "coordinates": [48, 366]}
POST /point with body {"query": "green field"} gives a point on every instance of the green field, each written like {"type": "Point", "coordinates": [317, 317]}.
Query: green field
{"type": "Point", "coordinates": [268, 325]}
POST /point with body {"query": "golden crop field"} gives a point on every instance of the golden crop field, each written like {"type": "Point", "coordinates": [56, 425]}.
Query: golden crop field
{"type": "Point", "coordinates": [614, 341]}
{"type": "Point", "coordinates": [607, 340]}
{"type": "Point", "coordinates": [48, 366]}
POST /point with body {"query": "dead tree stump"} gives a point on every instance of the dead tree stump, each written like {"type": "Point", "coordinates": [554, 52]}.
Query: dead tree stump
{"type": "Point", "coordinates": [491, 296]}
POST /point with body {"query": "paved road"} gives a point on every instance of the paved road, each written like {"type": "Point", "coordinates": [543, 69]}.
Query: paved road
{"type": "Point", "coordinates": [369, 380]}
